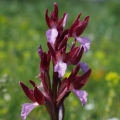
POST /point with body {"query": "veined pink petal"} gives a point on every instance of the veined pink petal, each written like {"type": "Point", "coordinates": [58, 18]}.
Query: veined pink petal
{"type": "Point", "coordinates": [82, 95]}
{"type": "Point", "coordinates": [84, 66]}
{"type": "Point", "coordinates": [65, 19]}
{"type": "Point", "coordinates": [85, 42]}
{"type": "Point", "coordinates": [51, 35]}
{"type": "Point", "coordinates": [60, 67]}
{"type": "Point", "coordinates": [27, 108]}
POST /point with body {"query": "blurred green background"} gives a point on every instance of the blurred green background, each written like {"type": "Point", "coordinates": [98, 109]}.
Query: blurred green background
{"type": "Point", "coordinates": [22, 30]}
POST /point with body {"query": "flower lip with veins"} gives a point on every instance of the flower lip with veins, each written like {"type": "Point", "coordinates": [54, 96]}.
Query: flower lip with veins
{"type": "Point", "coordinates": [60, 67]}
{"type": "Point", "coordinates": [51, 35]}
{"type": "Point", "coordinates": [82, 95]}
{"type": "Point", "coordinates": [27, 108]}
{"type": "Point", "coordinates": [85, 42]}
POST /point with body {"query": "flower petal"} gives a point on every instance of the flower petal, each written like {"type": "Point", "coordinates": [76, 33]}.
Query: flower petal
{"type": "Point", "coordinates": [84, 66]}
{"type": "Point", "coordinates": [51, 35]}
{"type": "Point", "coordinates": [85, 43]}
{"type": "Point", "coordinates": [82, 95]}
{"type": "Point", "coordinates": [39, 96]}
{"type": "Point", "coordinates": [64, 21]}
{"type": "Point", "coordinates": [52, 51]}
{"type": "Point", "coordinates": [60, 67]}
{"type": "Point", "coordinates": [27, 108]}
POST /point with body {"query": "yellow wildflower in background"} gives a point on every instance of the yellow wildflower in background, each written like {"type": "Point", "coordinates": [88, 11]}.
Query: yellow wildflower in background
{"type": "Point", "coordinates": [67, 74]}
{"type": "Point", "coordinates": [112, 78]}
{"type": "Point", "coordinates": [100, 55]}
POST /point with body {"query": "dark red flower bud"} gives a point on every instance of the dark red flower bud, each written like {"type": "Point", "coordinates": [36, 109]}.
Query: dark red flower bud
{"type": "Point", "coordinates": [53, 21]}
{"type": "Point", "coordinates": [45, 61]}
{"type": "Point", "coordinates": [75, 23]}
{"type": "Point", "coordinates": [81, 27]}
{"type": "Point", "coordinates": [74, 55]}
{"type": "Point", "coordinates": [72, 76]}
{"type": "Point", "coordinates": [78, 27]}
{"type": "Point", "coordinates": [80, 81]}
{"type": "Point", "coordinates": [28, 92]}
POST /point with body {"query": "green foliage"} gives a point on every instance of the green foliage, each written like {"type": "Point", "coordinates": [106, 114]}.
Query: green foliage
{"type": "Point", "coordinates": [22, 30]}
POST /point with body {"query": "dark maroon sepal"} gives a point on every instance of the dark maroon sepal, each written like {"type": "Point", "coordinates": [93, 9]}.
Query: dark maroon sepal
{"type": "Point", "coordinates": [76, 70]}
{"type": "Point", "coordinates": [45, 61]}
{"type": "Point", "coordinates": [61, 21]}
{"type": "Point", "coordinates": [62, 86]}
{"type": "Point", "coordinates": [73, 52]}
{"type": "Point", "coordinates": [70, 55]}
{"type": "Point", "coordinates": [55, 10]}
{"type": "Point", "coordinates": [28, 92]}
{"type": "Point", "coordinates": [80, 81]}
{"type": "Point", "coordinates": [47, 19]}
{"type": "Point", "coordinates": [39, 97]}
{"type": "Point", "coordinates": [72, 76]}
{"type": "Point", "coordinates": [52, 51]}
{"type": "Point", "coordinates": [64, 33]}
{"type": "Point", "coordinates": [63, 43]}
{"type": "Point", "coordinates": [74, 55]}
{"type": "Point", "coordinates": [75, 23]}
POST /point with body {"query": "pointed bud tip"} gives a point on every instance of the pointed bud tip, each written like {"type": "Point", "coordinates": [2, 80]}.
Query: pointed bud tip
{"type": "Point", "coordinates": [87, 18]}
{"type": "Point", "coordinates": [47, 10]}
{"type": "Point", "coordinates": [55, 4]}
{"type": "Point", "coordinates": [33, 84]}
{"type": "Point", "coordinates": [21, 83]}
{"type": "Point", "coordinates": [90, 70]}
{"type": "Point", "coordinates": [82, 48]}
{"type": "Point", "coordinates": [79, 15]}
